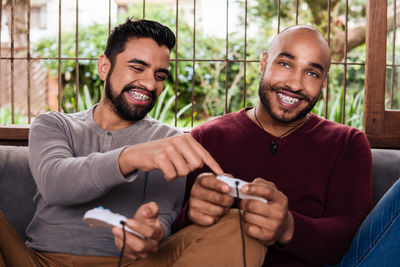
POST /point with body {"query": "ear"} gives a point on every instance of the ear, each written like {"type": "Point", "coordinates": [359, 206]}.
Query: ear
{"type": "Point", "coordinates": [103, 67]}
{"type": "Point", "coordinates": [263, 61]}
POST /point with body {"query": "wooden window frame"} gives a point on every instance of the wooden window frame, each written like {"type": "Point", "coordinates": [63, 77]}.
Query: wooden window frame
{"type": "Point", "coordinates": [382, 126]}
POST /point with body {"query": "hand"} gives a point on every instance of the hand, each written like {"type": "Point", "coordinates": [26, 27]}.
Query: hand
{"type": "Point", "coordinates": [146, 222]}
{"type": "Point", "coordinates": [209, 200]}
{"type": "Point", "coordinates": [268, 222]}
{"type": "Point", "coordinates": [175, 156]}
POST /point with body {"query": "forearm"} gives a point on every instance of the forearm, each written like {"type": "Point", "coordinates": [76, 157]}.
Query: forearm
{"type": "Point", "coordinates": [320, 240]}
{"type": "Point", "coordinates": [65, 176]}
{"type": "Point", "coordinates": [70, 180]}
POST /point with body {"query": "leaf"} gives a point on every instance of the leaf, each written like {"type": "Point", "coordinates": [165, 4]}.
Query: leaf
{"type": "Point", "coordinates": [180, 112]}
{"type": "Point", "coordinates": [88, 100]}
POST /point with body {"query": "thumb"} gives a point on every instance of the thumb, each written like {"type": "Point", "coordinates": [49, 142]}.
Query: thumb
{"type": "Point", "coordinates": [147, 211]}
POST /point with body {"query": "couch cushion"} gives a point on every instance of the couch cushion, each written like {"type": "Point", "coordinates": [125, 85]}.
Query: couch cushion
{"type": "Point", "coordinates": [385, 171]}
{"type": "Point", "coordinates": [17, 187]}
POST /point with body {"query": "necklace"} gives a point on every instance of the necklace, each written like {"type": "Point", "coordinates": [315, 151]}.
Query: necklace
{"type": "Point", "coordinates": [274, 146]}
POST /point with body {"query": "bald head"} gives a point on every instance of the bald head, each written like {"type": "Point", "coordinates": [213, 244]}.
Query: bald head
{"type": "Point", "coordinates": [302, 35]}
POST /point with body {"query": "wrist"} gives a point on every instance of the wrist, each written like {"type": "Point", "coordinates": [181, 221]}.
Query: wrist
{"type": "Point", "coordinates": [125, 161]}
{"type": "Point", "coordinates": [287, 234]}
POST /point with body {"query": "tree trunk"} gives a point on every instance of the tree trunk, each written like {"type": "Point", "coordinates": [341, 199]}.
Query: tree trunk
{"type": "Point", "coordinates": [19, 15]}
{"type": "Point", "coordinates": [356, 35]}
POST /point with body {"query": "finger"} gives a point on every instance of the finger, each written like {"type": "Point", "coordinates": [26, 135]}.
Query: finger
{"type": "Point", "coordinates": [164, 163]}
{"type": "Point", "coordinates": [136, 246]}
{"type": "Point", "coordinates": [147, 211]}
{"type": "Point", "coordinates": [207, 208]}
{"type": "Point", "coordinates": [184, 146]}
{"type": "Point", "coordinates": [256, 206]}
{"type": "Point", "coordinates": [182, 167]}
{"type": "Point", "coordinates": [267, 223]}
{"type": "Point", "coordinates": [141, 248]}
{"type": "Point", "coordinates": [149, 231]}
{"type": "Point", "coordinates": [218, 198]}
{"type": "Point", "coordinates": [131, 246]}
{"type": "Point", "coordinates": [200, 218]}
{"type": "Point", "coordinates": [209, 181]}
{"type": "Point", "coordinates": [263, 181]}
{"type": "Point", "coordinates": [204, 155]}
{"type": "Point", "coordinates": [266, 237]}
{"type": "Point", "coordinates": [262, 189]}
{"type": "Point", "coordinates": [132, 242]}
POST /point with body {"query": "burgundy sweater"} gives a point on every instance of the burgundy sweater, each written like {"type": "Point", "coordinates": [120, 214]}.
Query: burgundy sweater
{"type": "Point", "coordinates": [324, 168]}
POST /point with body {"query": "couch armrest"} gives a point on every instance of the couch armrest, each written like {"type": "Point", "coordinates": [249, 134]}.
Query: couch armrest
{"type": "Point", "coordinates": [17, 187]}
{"type": "Point", "coordinates": [385, 171]}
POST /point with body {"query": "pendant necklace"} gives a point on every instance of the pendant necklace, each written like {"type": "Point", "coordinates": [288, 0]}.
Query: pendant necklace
{"type": "Point", "coordinates": [274, 146]}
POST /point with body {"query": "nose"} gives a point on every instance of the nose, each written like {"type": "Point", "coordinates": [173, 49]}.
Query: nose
{"type": "Point", "coordinates": [295, 81]}
{"type": "Point", "coordinates": [148, 81]}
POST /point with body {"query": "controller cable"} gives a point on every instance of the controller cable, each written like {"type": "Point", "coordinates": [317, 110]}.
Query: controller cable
{"type": "Point", "coordinates": [121, 254]}
{"type": "Point", "coordinates": [241, 224]}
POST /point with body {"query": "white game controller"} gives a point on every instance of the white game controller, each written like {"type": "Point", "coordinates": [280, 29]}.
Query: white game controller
{"type": "Point", "coordinates": [104, 217]}
{"type": "Point", "coordinates": [232, 184]}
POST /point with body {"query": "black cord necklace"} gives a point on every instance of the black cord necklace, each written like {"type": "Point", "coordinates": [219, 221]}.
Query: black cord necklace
{"type": "Point", "coordinates": [274, 146]}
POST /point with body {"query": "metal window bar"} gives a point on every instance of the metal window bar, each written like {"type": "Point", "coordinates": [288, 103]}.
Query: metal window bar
{"type": "Point", "coordinates": [227, 56]}
{"type": "Point", "coordinates": [176, 64]}
{"type": "Point", "coordinates": [345, 62]}
{"type": "Point", "coordinates": [77, 56]}
{"type": "Point", "coordinates": [194, 60]}
{"type": "Point", "coordinates": [193, 63]}
{"type": "Point", "coordinates": [245, 53]}
{"type": "Point", "coordinates": [329, 44]}
{"type": "Point", "coordinates": [393, 69]}
{"type": "Point", "coordinates": [28, 62]}
{"type": "Point", "coordinates": [59, 57]}
{"type": "Point", "coordinates": [12, 64]}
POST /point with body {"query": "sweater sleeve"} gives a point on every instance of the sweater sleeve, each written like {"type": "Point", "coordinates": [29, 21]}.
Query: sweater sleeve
{"type": "Point", "coordinates": [349, 200]}
{"type": "Point", "coordinates": [62, 178]}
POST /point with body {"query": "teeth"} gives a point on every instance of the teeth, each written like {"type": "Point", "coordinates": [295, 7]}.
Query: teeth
{"type": "Point", "coordinates": [287, 99]}
{"type": "Point", "coordinates": [139, 96]}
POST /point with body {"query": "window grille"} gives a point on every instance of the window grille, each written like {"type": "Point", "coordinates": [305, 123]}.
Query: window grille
{"type": "Point", "coordinates": [24, 83]}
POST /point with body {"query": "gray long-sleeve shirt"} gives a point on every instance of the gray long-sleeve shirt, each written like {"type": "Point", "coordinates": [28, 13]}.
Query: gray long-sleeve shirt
{"type": "Point", "coordinates": [75, 165]}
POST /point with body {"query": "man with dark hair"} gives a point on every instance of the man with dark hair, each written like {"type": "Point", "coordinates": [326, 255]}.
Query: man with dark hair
{"type": "Point", "coordinates": [112, 155]}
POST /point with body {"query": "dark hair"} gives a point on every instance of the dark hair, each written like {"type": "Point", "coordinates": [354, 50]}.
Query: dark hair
{"type": "Point", "coordinates": [142, 28]}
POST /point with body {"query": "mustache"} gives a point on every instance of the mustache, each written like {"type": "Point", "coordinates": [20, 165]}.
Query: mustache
{"type": "Point", "coordinates": [130, 87]}
{"type": "Point", "coordinates": [288, 89]}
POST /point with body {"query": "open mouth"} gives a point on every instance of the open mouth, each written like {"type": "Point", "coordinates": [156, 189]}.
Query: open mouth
{"type": "Point", "coordinates": [138, 95]}
{"type": "Point", "coordinates": [287, 100]}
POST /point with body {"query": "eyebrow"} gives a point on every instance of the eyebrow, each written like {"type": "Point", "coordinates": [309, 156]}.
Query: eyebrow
{"type": "Point", "coordinates": [144, 63]}
{"type": "Point", "coordinates": [312, 64]}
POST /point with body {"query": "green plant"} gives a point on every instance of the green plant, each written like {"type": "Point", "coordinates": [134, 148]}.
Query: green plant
{"type": "Point", "coordinates": [162, 109]}
{"type": "Point", "coordinates": [201, 88]}
{"type": "Point", "coordinates": [6, 116]}
{"type": "Point", "coordinates": [353, 107]}
{"type": "Point", "coordinates": [85, 100]}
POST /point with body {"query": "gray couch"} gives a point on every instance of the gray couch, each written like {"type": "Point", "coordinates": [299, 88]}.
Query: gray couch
{"type": "Point", "coordinates": [17, 186]}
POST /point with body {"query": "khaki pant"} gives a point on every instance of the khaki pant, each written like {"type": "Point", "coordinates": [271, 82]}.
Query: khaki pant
{"type": "Point", "coordinates": [217, 245]}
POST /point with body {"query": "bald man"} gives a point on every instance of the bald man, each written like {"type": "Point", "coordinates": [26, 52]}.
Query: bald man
{"type": "Point", "coordinates": [314, 173]}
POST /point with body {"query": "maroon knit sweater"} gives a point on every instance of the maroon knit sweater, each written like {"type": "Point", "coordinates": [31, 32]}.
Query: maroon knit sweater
{"type": "Point", "coordinates": [324, 168]}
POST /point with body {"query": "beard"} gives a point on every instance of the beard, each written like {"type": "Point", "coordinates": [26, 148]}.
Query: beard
{"type": "Point", "coordinates": [125, 110]}
{"type": "Point", "coordinates": [266, 103]}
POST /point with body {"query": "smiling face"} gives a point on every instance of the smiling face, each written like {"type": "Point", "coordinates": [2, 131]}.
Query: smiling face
{"type": "Point", "coordinates": [294, 71]}
{"type": "Point", "coordinates": [136, 78]}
